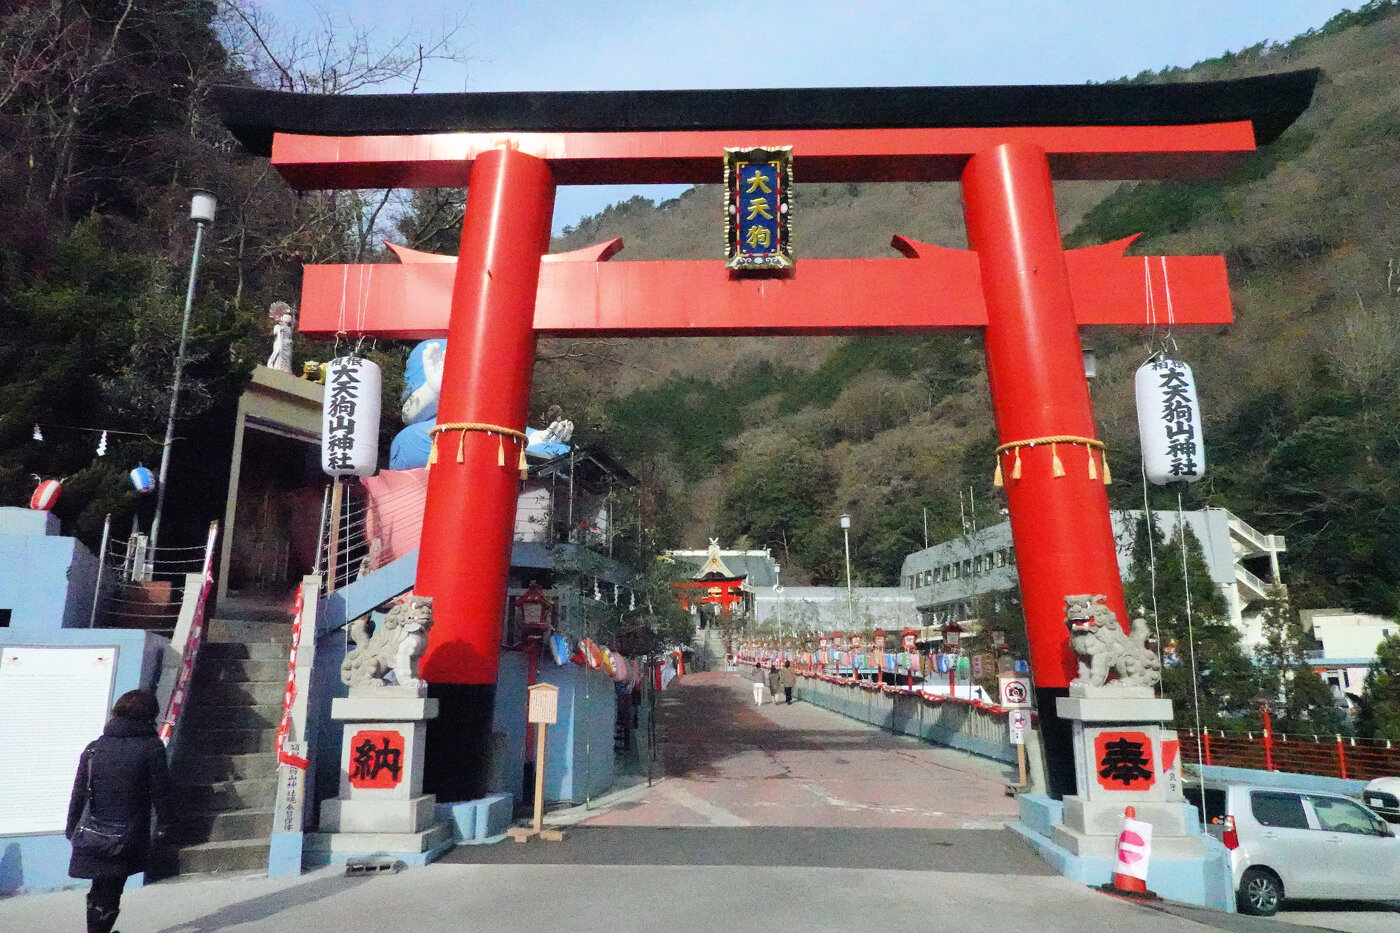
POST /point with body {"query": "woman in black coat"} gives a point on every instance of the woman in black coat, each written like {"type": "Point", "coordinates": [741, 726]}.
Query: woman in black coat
{"type": "Point", "coordinates": [128, 776]}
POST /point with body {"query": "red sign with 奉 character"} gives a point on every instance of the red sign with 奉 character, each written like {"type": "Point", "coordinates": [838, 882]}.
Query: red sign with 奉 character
{"type": "Point", "coordinates": [376, 759]}
{"type": "Point", "coordinates": [1123, 760]}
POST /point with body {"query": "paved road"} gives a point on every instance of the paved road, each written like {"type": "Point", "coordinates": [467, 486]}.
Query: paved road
{"type": "Point", "coordinates": [729, 762]}
{"type": "Point", "coordinates": [772, 818]}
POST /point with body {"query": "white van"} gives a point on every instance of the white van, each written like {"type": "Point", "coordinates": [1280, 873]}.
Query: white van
{"type": "Point", "coordinates": [1300, 845]}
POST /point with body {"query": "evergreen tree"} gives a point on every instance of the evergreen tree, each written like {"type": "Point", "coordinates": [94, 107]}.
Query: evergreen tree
{"type": "Point", "coordinates": [1202, 658]}
{"type": "Point", "coordinates": [1380, 699]}
{"type": "Point", "coordinates": [1303, 700]}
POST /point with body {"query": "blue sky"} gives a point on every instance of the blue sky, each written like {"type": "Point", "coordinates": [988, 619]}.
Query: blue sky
{"type": "Point", "coordinates": [535, 45]}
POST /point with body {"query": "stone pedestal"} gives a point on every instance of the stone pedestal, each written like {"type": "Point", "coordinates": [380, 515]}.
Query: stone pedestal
{"type": "Point", "coordinates": [1124, 757]}
{"type": "Point", "coordinates": [381, 808]}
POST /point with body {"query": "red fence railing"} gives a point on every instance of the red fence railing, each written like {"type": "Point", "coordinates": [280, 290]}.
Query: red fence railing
{"type": "Point", "coordinates": [1331, 756]}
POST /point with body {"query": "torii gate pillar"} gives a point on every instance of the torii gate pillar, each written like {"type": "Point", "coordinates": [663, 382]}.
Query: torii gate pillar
{"type": "Point", "coordinates": [469, 517]}
{"type": "Point", "coordinates": [1060, 524]}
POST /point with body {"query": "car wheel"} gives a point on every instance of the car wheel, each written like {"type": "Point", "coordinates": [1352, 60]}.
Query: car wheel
{"type": "Point", "coordinates": [1260, 893]}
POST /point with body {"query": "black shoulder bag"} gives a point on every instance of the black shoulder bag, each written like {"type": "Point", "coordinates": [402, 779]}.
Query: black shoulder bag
{"type": "Point", "coordinates": [99, 837]}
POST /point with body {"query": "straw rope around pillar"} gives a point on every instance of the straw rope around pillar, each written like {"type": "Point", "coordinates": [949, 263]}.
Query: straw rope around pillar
{"type": "Point", "coordinates": [1057, 467]}
{"type": "Point", "coordinates": [465, 426]}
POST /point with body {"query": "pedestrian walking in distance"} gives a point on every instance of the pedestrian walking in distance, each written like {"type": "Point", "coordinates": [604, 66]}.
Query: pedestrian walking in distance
{"type": "Point", "coordinates": [121, 776]}
{"type": "Point", "coordinates": [759, 684]}
{"type": "Point", "coordinates": [788, 678]}
{"type": "Point", "coordinates": [774, 681]}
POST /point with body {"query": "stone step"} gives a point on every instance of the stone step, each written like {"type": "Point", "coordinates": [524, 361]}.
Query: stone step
{"type": "Point", "coordinates": [238, 630]}
{"type": "Point", "coordinates": [224, 826]}
{"type": "Point", "coordinates": [230, 855]}
{"type": "Point", "coordinates": [212, 740]}
{"type": "Point", "coordinates": [250, 794]}
{"type": "Point", "coordinates": [207, 766]}
{"type": "Point", "coordinates": [230, 693]}
{"type": "Point", "coordinates": [256, 651]}
{"type": "Point", "coordinates": [213, 716]}
{"type": "Point", "coordinates": [214, 669]}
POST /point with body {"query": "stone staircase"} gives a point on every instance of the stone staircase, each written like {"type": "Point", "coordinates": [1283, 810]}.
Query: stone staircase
{"type": "Point", "coordinates": [225, 767]}
{"type": "Point", "coordinates": [708, 645]}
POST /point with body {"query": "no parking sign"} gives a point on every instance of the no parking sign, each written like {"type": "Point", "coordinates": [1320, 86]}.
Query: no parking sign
{"type": "Point", "coordinates": [1020, 721]}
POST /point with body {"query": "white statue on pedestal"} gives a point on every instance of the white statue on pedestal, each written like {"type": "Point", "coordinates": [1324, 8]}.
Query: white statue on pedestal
{"type": "Point", "coordinates": [282, 317]}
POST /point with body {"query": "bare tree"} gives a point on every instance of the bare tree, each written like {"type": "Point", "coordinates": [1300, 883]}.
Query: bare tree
{"type": "Point", "coordinates": [338, 56]}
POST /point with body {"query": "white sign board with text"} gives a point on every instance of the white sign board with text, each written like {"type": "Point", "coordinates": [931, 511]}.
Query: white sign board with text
{"type": "Point", "coordinates": [544, 704]}
{"type": "Point", "coordinates": [53, 702]}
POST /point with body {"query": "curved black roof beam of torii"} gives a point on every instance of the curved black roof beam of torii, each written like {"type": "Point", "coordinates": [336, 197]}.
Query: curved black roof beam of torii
{"type": "Point", "coordinates": [1270, 102]}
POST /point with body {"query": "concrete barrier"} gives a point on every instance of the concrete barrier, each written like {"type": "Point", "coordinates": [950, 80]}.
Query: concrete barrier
{"type": "Point", "coordinates": [968, 726]}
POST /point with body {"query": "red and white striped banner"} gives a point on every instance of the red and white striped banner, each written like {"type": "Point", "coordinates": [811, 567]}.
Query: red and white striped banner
{"type": "Point", "coordinates": [187, 658]}
{"type": "Point", "coordinates": [289, 696]}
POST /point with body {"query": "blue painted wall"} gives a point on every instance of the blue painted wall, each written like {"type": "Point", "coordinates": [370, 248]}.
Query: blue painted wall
{"type": "Point", "coordinates": [579, 754]}
{"type": "Point", "coordinates": [39, 862]}
{"type": "Point", "coordinates": [46, 581]}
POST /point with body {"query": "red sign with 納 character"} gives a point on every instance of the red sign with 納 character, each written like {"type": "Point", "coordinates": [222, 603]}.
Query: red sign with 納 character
{"type": "Point", "coordinates": [376, 759]}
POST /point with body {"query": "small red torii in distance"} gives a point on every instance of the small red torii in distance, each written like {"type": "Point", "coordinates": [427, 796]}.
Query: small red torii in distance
{"type": "Point", "coordinates": [1016, 281]}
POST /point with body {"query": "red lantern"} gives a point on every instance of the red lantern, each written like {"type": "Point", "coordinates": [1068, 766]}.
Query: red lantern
{"type": "Point", "coordinates": [532, 611]}
{"type": "Point", "coordinates": [45, 495]}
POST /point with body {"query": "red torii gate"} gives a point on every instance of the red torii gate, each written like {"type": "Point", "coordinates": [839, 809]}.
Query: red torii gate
{"type": "Point", "coordinates": [1003, 144]}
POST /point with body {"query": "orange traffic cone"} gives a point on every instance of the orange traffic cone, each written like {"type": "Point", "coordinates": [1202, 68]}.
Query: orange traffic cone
{"type": "Point", "coordinates": [1134, 852]}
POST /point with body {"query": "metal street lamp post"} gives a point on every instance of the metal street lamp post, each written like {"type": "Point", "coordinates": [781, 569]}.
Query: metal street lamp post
{"type": "Point", "coordinates": [202, 207]}
{"type": "Point", "coordinates": [846, 534]}
{"type": "Point", "coordinates": [778, 591]}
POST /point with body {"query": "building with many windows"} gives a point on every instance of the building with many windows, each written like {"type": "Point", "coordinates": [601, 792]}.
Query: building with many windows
{"type": "Point", "coordinates": [950, 579]}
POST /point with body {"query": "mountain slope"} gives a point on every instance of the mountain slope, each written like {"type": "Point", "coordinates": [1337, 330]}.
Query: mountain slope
{"type": "Point", "coordinates": [1298, 394]}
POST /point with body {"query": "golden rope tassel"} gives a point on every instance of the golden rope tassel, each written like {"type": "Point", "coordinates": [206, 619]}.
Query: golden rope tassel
{"type": "Point", "coordinates": [1016, 468]}
{"type": "Point", "coordinates": [1057, 468]}
{"type": "Point", "coordinates": [524, 467]}
{"type": "Point", "coordinates": [461, 446]}
{"type": "Point", "coordinates": [432, 454]}
{"type": "Point", "coordinates": [500, 450]}
{"type": "Point", "coordinates": [1093, 470]}
{"type": "Point", "coordinates": [996, 477]}
{"type": "Point", "coordinates": [1107, 476]}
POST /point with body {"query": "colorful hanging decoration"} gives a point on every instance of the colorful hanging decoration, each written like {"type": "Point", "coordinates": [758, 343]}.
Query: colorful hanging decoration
{"type": "Point", "coordinates": [1169, 423]}
{"type": "Point", "coordinates": [45, 495]}
{"type": "Point", "coordinates": [142, 480]}
{"type": "Point", "coordinates": [559, 647]}
{"type": "Point", "coordinates": [350, 417]}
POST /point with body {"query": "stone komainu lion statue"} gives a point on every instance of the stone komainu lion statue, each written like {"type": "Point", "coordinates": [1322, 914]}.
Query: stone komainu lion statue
{"type": "Point", "coordinates": [393, 645]}
{"type": "Point", "coordinates": [1103, 647]}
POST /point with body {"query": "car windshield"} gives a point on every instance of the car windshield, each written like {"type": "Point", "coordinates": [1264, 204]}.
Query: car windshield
{"type": "Point", "coordinates": [1343, 816]}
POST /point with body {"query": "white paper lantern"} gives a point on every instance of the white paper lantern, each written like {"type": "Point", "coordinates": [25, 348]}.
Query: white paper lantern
{"type": "Point", "coordinates": [350, 417]}
{"type": "Point", "coordinates": [1169, 423]}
